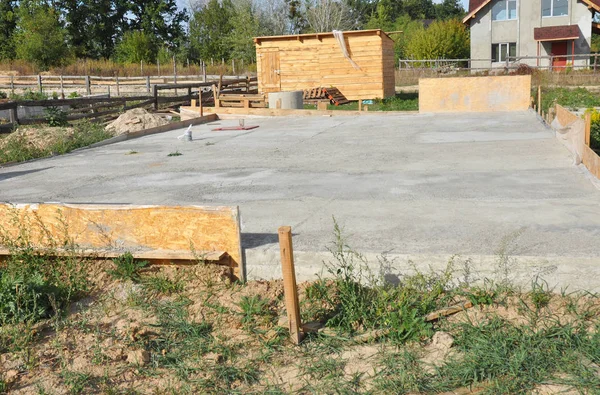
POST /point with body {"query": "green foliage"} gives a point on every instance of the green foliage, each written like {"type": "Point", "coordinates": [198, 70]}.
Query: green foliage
{"type": "Point", "coordinates": [40, 39]}
{"type": "Point", "coordinates": [358, 300]}
{"type": "Point", "coordinates": [3, 95]}
{"type": "Point", "coordinates": [55, 116]}
{"type": "Point", "coordinates": [17, 148]}
{"type": "Point", "coordinates": [29, 94]}
{"type": "Point", "coordinates": [540, 293]}
{"type": "Point", "coordinates": [34, 286]}
{"type": "Point", "coordinates": [163, 285]}
{"type": "Point", "coordinates": [176, 153]}
{"type": "Point", "coordinates": [210, 28]}
{"type": "Point", "coordinates": [569, 98]}
{"type": "Point", "coordinates": [254, 308]}
{"type": "Point", "coordinates": [441, 40]}
{"type": "Point", "coordinates": [127, 268]}
{"type": "Point", "coordinates": [73, 95]}
{"type": "Point", "coordinates": [136, 47]}
{"type": "Point", "coordinates": [8, 25]}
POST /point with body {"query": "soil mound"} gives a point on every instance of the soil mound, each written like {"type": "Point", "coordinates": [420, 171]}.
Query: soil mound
{"type": "Point", "coordinates": [133, 121]}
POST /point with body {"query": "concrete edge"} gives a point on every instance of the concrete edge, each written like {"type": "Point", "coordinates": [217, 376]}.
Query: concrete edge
{"type": "Point", "coordinates": [571, 273]}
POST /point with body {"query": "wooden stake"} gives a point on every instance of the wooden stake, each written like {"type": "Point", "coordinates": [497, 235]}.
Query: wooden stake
{"type": "Point", "coordinates": [588, 128]}
{"type": "Point", "coordinates": [359, 105]}
{"type": "Point", "coordinates": [216, 96]}
{"type": "Point", "coordinates": [539, 101]}
{"type": "Point", "coordinates": [289, 283]}
{"type": "Point", "coordinates": [200, 101]}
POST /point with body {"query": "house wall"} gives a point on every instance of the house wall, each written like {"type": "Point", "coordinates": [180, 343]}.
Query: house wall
{"type": "Point", "coordinates": [485, 32]}
{"type": "Point", "coordinates": [313, 62]}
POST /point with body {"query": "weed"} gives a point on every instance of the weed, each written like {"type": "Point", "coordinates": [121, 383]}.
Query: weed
{"type": "Point", "coordinates": [209, 143]}
{"type": "Point", "coordinates": [253, 308]}
{"type": "Point", "coordinates": [127, 268]}
{"type": "Point", "coordinates": [76, 381]}
{"type": "Point", "coordinates": [163, 285]}
{"type": "Point", "coordinates": [35, 283]}
{"type": "Point", "coordinates": [132, 152]}
{"type": "Point", "coordinates": [324, 368]}
{"type": "Point", "coordinates": [176, 153]}
{"type": "Point", "coordinates": [55, 116]}
{"type": "Point", "coordinates": [540, 294]}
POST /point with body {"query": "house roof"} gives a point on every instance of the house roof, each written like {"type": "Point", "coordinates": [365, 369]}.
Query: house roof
{"type": "Point", "coordinates": [378, 32]}
{"type": "Point", "coordinates": [555, 33]}
{"type": "Point", "coordinates": [476, 5]}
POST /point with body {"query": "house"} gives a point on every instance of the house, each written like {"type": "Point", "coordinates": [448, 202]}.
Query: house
{"type": "Point", "coordinates": [359, 63]}
{"type": "Point", "coordinates": [546, 33]}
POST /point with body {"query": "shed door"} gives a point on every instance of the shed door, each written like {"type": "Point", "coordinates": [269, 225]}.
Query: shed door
{"type": "Point", "coordinates": [559, 48]}
{"type": "Point", "coordinates": [269, 70]}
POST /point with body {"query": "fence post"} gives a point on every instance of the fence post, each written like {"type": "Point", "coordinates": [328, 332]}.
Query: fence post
{"type": "Point", "coordinates": [155, 94]}
{"type": "Point", "coordinates": [588, 128]}
{"type": "Point", "coordinates": [39, 81]}
{"type": "Point", "coordinates": [175, 74]}
{"type": "Point", "coordinates": [13, 115]}
{"type": "Point", "coordinates": [148, 84]}
{"type": "Point", "coordinates": [232, 66]}
{"type": "Point", "coordinates": [203, 71]}
{"type": "Point", "coordinates": [595, 61]}
{"type": "Point", "coordinates": [88, 85]}
{"type": "Point", "coordinates": [158, 65]}
{"type": "Point", "coordinates": [12, 84]}
{"type": "Point", "coordinates": [117, 83]}
{"type": "Point", "coordinates": [62, 87]}
{"type": "Point", "coordinates": [539, 100]}
{"type": "Point", "coordinates": [290, 289]}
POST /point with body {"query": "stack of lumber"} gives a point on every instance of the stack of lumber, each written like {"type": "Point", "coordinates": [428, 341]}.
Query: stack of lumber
{"type": "Point", "coordinates": [319, 94]}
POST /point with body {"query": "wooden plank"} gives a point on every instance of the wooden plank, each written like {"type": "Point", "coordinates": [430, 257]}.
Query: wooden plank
{"type": "Point", "coordinates": [150, 255]}
{"type": "Point", "coordinates": [290, 289]}
{"type": "Point", "coordinates": [128, 227]}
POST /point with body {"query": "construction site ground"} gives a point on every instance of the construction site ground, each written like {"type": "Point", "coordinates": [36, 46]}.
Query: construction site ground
{"type": "Point", "coordinates": [416, 188]}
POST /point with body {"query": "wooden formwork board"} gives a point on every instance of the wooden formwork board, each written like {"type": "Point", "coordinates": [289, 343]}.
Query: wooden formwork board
{"type": "Point", "coordinates": [156, 233]}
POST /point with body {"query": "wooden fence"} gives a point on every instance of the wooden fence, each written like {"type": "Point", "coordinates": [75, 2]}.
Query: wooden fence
{"type": "Point", "coordinates": [88, 85]}
{"type": "Point", "coordinates": [105, 107]}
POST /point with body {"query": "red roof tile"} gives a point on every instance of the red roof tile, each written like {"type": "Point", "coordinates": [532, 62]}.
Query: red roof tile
{"type": "Point", "coordinates": [552, 33]}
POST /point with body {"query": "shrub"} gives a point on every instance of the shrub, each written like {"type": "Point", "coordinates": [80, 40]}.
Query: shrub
{"type": "Point", "coordinates": [55, 116]}
{"type": "Point", "coordinates": [3, 95]}
{"type": "Point", "coordinates": [595, 128]}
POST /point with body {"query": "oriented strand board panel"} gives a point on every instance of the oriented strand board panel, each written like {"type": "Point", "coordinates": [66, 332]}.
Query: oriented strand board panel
{"type": "Point", "coordinates": [128, 228]}
{"type": "Point", "coordinates": [475, 94]}
{"type": "Point", "coordinates": [591, 160]}
{"type": "Point", "coordinates": [298, 62]}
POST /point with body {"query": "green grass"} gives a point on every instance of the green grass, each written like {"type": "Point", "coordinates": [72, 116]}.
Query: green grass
{"type": "Point", "coordinates": [127, 268]}
{"type": "Point", "coordinates": [400, 102]}
{"type": "Point", "coordinates": [568, 98]}
{"type": "Point", "coordinates": [17, 148]}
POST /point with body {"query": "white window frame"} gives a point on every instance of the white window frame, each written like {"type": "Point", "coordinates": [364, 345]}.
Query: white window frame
{"type": "Point", "coordinates": [507, 8]}
{"type": "Point", "coordinates": [500, 45]}
{"type": "Point", "coordinates": [552, 10]}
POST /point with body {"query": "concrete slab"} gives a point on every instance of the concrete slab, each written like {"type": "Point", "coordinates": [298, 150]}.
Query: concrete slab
{"type": "Point", "coordinates": [419, 187]}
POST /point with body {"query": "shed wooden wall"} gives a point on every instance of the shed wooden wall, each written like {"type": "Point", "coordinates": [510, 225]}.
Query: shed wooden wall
{"type": "Point", "coordinates": [306, 63]}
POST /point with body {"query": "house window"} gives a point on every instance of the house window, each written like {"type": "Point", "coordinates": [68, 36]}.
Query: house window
{"type": "Point", "coordinates": [555, 7]}
{"type": "Point", "coordinates": [502, 50]}
{"type": "Point", "coordinates": [504, 10]}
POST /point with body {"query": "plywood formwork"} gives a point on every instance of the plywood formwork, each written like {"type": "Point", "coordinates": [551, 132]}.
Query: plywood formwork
{"type": "Point", "coordinates": [304, 61]}
{"type": "Point", "coordinates": [475, 94]}
{"type": "Point", "coordinates": [157, 233]}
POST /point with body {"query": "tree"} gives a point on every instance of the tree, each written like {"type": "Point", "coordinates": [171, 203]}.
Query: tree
{"type": "Point", "coordinates": [449, 9]}
{"type": "Point", "coordinates": [136, 46]}
{"type": "Point", "coordinates": [441, 40]}
{"type": "Point", "coordinates": [8, 25]}
{"type": "Point", "coordinates": [159, 19]}
{"type": "Point", "coordinates": [40, 38]}
{"type": "Point", "coordinates": [210, 27]}
{"type": "Point", "coordinates": [328, 15]}
{"type": "Point", "coordinates": [246, 25]}
{"type": "Point", "coordinates": [418, 9]}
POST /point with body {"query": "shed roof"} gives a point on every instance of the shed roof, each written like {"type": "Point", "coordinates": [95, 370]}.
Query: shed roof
{"type": "Point", "coordinates": [476, 5]}
{"type": "Point", "coordinates": [555, 33]}
{"type": "Point", "coordinates": [300, 37]}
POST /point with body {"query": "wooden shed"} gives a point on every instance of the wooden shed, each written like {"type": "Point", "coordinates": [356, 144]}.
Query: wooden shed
{"type": "Point", "coordinates": [305, 61]}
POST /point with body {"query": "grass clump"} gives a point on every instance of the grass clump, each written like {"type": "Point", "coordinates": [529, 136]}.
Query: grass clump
{"type": "Point", "coordinates": [127, 268]}
{"type": "Point", "coordinates": [569, 98]}
{"type": "Point", "coordinates": [19, 147]}
{"type": "Point", "coordinates": [34, 283]}
{"type": "Point", "coordinates": [357, 300]}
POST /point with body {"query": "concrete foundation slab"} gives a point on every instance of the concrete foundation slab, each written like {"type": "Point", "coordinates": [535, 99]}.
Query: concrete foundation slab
{"type": "Point", "coordinates": [418, 187]}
